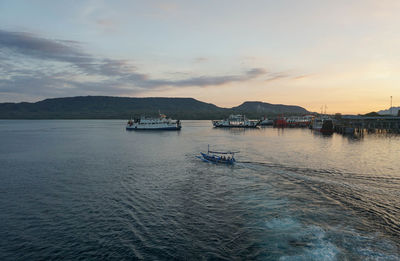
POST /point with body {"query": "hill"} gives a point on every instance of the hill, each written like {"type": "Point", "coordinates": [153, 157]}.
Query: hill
{"type": "Point", "coordinates": [105, 107]}
{"type": "Point", "coordinates": [262, 108]}
{"type": "Point", "coordinates": [372, 114]}
{"type": "Point", "coordinates": [391, 111]}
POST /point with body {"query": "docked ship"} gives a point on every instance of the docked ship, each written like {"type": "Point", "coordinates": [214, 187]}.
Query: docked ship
{"type": "Point", "coordinates": [323, 125]}
{"type": "Point", "coordinates": [293, 121]}
{"type": "Point", "coordinates": [299, 121]}
{"type": "Point", "coordinates": [266, 122]}
{"type": "Point", "coordinates": [236, 121]}
{"type": "Point", "coordinates": [280, 122]}
{"type": "Point", "coordinates": [161, 123]}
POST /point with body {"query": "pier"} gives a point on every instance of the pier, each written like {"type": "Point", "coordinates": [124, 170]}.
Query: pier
{"type": "Point", "coordinates": [359, 124]}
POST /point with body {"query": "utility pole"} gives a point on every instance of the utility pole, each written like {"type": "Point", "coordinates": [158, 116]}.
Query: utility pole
{"type": "Point", "coordinates": [391, 100]}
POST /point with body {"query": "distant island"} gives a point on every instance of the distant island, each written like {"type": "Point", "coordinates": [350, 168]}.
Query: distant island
{"type": "Point", "coordinates": [106, 107]}
{"type": "Point", "coordinates": [393, 111]}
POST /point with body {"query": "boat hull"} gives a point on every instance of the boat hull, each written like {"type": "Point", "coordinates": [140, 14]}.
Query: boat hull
{"type": "Point", "coordinates": [325, 127]}
{"type": "Point", "coordinates": [162, 123]}
{"type": "Point", "coordinates": [144, 128]}
{"type": "Point", "coordinates": [324, 131]}
{"type": "Point", "coordinates": [235, 126]}
{"type": "Point", "coordinates": [214, 159]}
{"type": "Point", "coordinates": [236, 121]}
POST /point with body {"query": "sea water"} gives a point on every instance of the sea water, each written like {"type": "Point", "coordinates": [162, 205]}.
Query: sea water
{"type": "Point", "coordinates": [89, 189]}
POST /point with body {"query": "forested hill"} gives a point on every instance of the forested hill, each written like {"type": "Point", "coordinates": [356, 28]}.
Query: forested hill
{"type": "Point", "coordinates": [268, 108]}
{"type": "Point", "coordinates": [104, 107]}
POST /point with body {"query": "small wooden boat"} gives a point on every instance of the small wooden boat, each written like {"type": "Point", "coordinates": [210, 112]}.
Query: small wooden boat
{"type": "Point", "coordinates": [224, 157]}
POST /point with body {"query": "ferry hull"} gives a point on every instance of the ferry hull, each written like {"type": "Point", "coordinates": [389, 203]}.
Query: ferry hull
{"type": "Point", "coordinates": [156, 128]}
{"type": "Point", "coordinates": [162, 123]}
{"type": "Point", "coordinates": [235, 126]}
{"type": "Point", "coordinates": [235, 121]}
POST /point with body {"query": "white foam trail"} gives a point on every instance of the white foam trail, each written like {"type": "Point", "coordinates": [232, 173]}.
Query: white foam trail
{"type": "Point", "coordinates": [311, 239]}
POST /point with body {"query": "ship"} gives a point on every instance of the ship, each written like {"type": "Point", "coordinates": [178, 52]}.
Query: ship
{"type": "Point", "coordinates": [236, 121]}
{"type": "Point", "coordinates": [293, 121]}
{"type": "Point", "coordinates": [266, 122]}
{"type": "Point", "coordinates": [323, 125]}
{"type": "Point", "coordinates": [224, 157]}
{"type": "Point", "coordinates": [299, 121]}
{"type": "Point", "coordinates": [160, 123]}
{"type": "Point", "coordinates": [280, 122]}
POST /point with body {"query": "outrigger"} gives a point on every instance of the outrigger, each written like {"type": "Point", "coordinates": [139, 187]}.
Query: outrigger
{"type": "Point", "coordinates": [224, 157]}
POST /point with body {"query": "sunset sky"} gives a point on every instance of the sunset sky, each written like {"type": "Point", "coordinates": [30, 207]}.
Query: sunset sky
{"type": "Point", "coordinates": [342, 54]}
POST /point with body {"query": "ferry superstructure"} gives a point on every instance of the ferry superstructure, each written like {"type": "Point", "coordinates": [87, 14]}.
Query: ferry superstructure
{"type": "Point", "coordinates": [236, 121]}
{"type": "Point", "coordinates": [161, 123]}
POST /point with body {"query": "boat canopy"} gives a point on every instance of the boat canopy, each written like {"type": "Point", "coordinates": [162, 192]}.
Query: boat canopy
{"type": "Point", "coordinates": [223, 152]}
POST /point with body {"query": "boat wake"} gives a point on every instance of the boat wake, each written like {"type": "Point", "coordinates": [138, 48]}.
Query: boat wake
{"type": "Point", "coordinates": [375, 198]}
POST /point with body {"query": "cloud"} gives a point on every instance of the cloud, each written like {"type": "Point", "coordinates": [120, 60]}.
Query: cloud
{"type": "Point", "coordinates": [300, 77]}
{"type": "Point", "coordinates": [107, 25]}
{"type": "Point", "coordinates": [200, 59]}
{"type": "Point", "coordinates": [53, 67]}
{"type": "Point", "coordinates": [42, 48]}
{"type": "Point", "coordinates": [41, 85]}
{"type": "Point", "coordinates": [277, 76]}
{"type": "Point", "coordinates": [285, 75]}
{"type": "Point", "coordinates": [202, 81]}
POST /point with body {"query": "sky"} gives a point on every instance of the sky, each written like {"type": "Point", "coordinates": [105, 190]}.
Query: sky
{"type": "Point", "coordinates": [340, 55]}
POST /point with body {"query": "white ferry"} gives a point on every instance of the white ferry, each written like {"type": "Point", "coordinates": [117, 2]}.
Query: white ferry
{"type": "Point", "coordinates": [236, 121]}
{"type": "Point", "coordinates": [161, 123]}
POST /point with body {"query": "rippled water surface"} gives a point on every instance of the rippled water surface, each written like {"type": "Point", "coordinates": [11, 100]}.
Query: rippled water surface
{"type": "Point", "coordinates": [91, 190]}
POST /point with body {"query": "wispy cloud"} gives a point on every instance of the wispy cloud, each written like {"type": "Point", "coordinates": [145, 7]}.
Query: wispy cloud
{"type": "Point", "coordinates": [285, 75]}
{"type": "Point", "coordinates": [42, 48]}
{"type": "Point", "coordinates": [201, 81]}
{"type": "Point", "coordinates": [107, 25]}
{"type": "Point", "coordinates": [66, 69]}
{"type": "Point", "coordinates": [200, 59]}
{"type": "Point", "coordinates": [300, 77]}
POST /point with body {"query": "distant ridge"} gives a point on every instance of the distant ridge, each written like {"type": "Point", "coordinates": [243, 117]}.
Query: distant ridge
{"type": "Point", "coordinates": [394, 111]}
{"type": "Point", "coordinates": [263, 107]}
{"type": "Point", "coordinates": [106, 107]}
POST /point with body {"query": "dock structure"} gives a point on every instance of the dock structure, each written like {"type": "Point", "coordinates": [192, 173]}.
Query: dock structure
{"type": "Point", "coordinates": [349, 124]}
